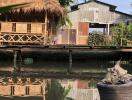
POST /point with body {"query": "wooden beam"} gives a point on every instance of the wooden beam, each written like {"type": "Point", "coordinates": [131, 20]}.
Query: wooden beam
{"type": "Point", "coordinates": [70, 61]}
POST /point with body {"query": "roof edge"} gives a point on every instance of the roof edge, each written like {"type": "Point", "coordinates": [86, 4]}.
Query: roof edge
{"type": "Point", "coordinates": [98, 2]}
{"type": "Point", "coordinates": [130, 15]}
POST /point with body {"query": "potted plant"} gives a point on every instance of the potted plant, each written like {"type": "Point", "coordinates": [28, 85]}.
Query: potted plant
{"type": "Point", "coordinates": [116, 85]}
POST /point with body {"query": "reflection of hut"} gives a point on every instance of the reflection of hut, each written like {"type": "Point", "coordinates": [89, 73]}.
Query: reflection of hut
{"type": "Point", "coordinates": [19, 90]}
{"type": "Point", "coordinates": [35, 90]}
{"type": "Point", "coordinates": [23, 87]}
{"type": "Point", "coordinates": [33, 23]}
{"type": "Point", "coordinates": [5, 90]}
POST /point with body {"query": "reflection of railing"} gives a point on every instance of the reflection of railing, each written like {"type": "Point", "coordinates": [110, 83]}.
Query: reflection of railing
{"type": "Point", "coordinates": [22, 38]}
{"type": "Point", "coordinates": [22, 87]}
{"type": "Point", "coordinates": [20, 90]}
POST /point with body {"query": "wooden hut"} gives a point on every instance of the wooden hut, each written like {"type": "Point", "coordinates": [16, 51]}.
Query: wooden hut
{"type": "Point", "coordinates": [32, 23]}
{"type": "Point", "coordinates": [5, 90]}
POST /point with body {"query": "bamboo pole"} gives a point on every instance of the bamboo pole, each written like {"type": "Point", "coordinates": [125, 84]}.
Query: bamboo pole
{"type": "Point", "coordinates": [51, 34]}
{"type": "Point", "coordinates": [45, 33]}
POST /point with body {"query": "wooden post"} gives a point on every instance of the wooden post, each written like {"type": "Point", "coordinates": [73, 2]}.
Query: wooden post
{"type": "Point", "coordinates": [15, 60]}
{"type": "Point", "coordinates": [121, 44]}
{"type": "Point", "coordinates": [51, 34]}
{"type": "Point", "coordinates": [70, 61]}
{"type": "Point", "coordinates": [17, 56]}
{"type": "Point", "coordinates": [43, 89]}
{"type": "Point", "coordinates": [104, 31]}
{"type": "Point", "coordinates": [69, 35]}
{"type": "Point", "coordinates": [45, 33]}
{"type": "Point", "coordinates": [77, 37]}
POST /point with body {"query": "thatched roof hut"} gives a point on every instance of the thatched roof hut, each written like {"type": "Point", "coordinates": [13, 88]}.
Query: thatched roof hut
{"type": "Point", "coordinates": [34, 10]}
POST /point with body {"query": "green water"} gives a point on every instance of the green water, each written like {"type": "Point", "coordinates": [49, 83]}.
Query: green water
{"type": "Point", "coordinates": [78, 66]}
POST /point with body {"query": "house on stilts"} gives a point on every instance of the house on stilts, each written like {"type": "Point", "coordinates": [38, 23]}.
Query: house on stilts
{"type": "Point", "coordinates": [87, 16]}
{"type": "Point", "coordinates": [33, 23]}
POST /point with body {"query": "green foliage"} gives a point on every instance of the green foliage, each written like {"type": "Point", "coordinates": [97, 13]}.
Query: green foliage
{"type": "Point", "coordinates": [97, 38]}
{"type": "Point", "coordinates": [56, 91]}
{"type": "Point", "coordinates": [65, 3]}
{"type": "Point", "coordinates": [65, 93]}
{"type": "Point", "coordinates": [121, 34]}
{"type": "Point", "coordinates": [64, 21]}
{"type": "Point", "coordinates": [129, 31]}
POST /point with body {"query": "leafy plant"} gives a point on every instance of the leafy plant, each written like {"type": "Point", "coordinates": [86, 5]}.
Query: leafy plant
{"type": "Point", "coordinates": [65, 21]}
{"type": "Point", "coordinates": [56, 92]}
{"type": "Point", "coordinates": [97, 38]}
{"type": "Point", "coordinates": [65, 2]}
{"type": "Point", "coordinates": [121, 34]}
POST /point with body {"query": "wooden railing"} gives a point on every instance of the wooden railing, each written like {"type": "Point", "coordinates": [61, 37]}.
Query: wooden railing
{"type": "Point", "coordinates": [23, 33]}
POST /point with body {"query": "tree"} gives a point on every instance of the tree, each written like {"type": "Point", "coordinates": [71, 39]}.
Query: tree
{"type": "Point", "coordinates": [121, 34]}
{"type": "Point", "coordinates": [129, 31]}
{"type": "Point", "coordinates": [65, 3]}
{"type": "Point", "coordinates": [56, 92]}
{"type": "Point", "coordinates": [97, 38]}
{"type": "Point", "coordinates": [65, 21]}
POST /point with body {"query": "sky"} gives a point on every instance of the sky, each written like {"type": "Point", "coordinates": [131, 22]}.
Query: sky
{"type": "Point", "coordinates": [122, 5]}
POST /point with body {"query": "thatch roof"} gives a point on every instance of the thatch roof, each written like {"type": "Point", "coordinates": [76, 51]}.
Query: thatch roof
{"type": "Point", "coordinates": [51, 7]}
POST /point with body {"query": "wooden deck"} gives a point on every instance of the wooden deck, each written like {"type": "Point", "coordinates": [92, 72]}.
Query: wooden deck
{"type": "Point", "coordinates": [54, 75]}
{"type": "Point", "coordinates": [62, 51]}
{"type": "Point", "coordinates": [68, 53]}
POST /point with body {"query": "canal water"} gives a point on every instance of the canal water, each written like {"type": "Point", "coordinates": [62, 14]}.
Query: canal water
{"type": "Point", "coordinates": [60, 65]}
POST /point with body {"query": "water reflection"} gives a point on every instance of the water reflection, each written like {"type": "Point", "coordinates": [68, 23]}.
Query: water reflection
{"type": "Point", "coordinates": [62, 66]}
{"type": "Point", "coordinates": [87, 66]}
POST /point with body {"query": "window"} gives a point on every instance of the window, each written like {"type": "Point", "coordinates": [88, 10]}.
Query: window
{"type": "Point", "coordinates": [13, 27]}
{"type": "Point", "coordinates": [29, 28]}
{"type": "Point", "coordinates": [43, 27]}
